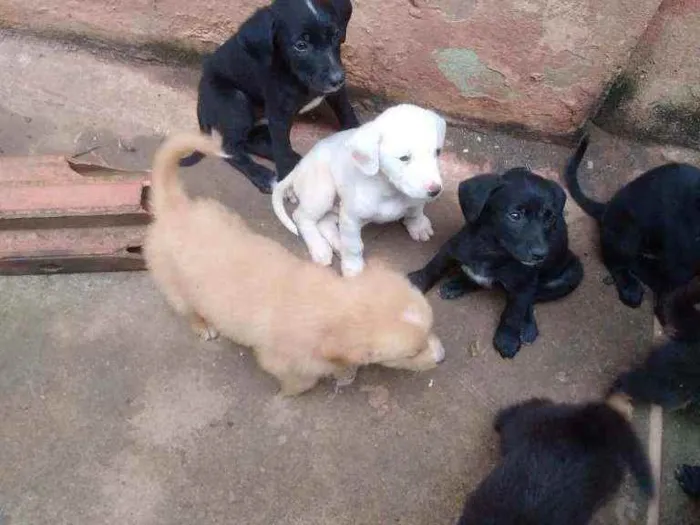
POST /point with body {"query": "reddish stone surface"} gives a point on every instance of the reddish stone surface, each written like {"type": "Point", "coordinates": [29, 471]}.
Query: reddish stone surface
{"type": "Point", "coordinates": [661, 96]}
{"type": "Point", "coordinates": [529, 64]}
{"type": "Point", "coordinates": [55, 220]}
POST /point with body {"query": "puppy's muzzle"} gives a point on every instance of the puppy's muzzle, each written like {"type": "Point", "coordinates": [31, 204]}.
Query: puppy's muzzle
{"type": "Point", "coordinates": [336, 80]}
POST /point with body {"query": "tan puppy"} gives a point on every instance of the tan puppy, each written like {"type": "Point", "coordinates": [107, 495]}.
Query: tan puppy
{"type": "Point", "coordinates": [302, 320]}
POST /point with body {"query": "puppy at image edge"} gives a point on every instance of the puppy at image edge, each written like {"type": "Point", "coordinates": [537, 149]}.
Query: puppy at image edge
{"type": "Point", "coordinates": [283, 61]}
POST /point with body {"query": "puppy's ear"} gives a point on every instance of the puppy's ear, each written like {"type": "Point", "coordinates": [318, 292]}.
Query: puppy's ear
{"type": "Point", "coordinates": [475, 192]}
{"type": "Point", "coordinates": [364, 148]}
{"type": "Point", "coordinates": [343, 12]}
{"type": "Point", "coordinates": [559, 196]}
{"type": "Point", "coordinates": [441, 128]}
{"type": "Point", "coordinates": [257, 37]}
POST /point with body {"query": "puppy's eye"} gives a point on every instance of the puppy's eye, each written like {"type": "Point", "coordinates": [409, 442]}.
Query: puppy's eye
{"type": "Point", "coordinates": [405, 158]}
{"type": "Point", "coordinates": [515, 216]}
{"type": "Point", "coordinates": [438, 151]}
{"type": "Point", "coordinates": [302, 44]}
{"type": "Point", "coordinates": [548, 216]}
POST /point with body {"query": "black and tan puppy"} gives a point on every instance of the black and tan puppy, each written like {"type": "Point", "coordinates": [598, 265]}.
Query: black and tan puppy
{"type": "Point", "coordinates": [515, 237]}
{"type": "Point", "coordinates": [284, 60]}
{"type": "Point", "coordinates": [649, 230]}
{"type": "Point", "coordinates": [560, 464]}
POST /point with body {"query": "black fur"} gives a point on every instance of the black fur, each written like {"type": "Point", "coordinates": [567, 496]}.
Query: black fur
{"type": "Point", "coordinates": [650, 229]}
{"type": "Point", "coordinates": [670, 376]}
{"type": "Point", "coordinates": [560, 463]}
{"type": "Point", "coordinates": [281, 58]}
{"type": "Point", "coordinates": [516, 237]}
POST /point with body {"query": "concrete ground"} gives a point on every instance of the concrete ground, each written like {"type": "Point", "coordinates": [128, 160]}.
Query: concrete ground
{"type": "Point", "coordinates": [114, 413]}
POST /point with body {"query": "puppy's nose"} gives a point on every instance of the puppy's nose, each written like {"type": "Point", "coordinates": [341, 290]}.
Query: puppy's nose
{"type": "Point", "coordinates": [539, 254]}
{"type": "Point", "coordinates": [433, 189]}
{"type": "Point", "coordinates": [336, 78]}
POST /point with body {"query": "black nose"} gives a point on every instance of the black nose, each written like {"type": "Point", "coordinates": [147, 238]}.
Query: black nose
{"type": "Point", "coordinates": [336, 78]}
{"type": "Point", "coordinates": [539, 254]}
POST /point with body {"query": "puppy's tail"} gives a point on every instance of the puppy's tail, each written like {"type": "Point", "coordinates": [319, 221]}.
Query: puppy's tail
{"type": "Point", "coordinates": [630, 448]}
{"type": "Point", "coordinates": [166, 189]}
{"type": "Point", "coordinates": [593, 208]}
{"type": "Point", "coordinates": [278, 194]}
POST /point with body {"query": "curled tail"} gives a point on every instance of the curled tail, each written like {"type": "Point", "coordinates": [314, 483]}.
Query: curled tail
{"type": "Point", "coordinates": [278, 203]}
{"type": "Point", "coordinates": [593, 208]}
{"type": "Point", "coordinates": [166, 189]}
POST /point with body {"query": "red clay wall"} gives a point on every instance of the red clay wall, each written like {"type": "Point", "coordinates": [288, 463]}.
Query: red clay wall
{"type": "Point", "coordinates": [535, 64]}
{"type": "Point", "coordinates": [658, 94]}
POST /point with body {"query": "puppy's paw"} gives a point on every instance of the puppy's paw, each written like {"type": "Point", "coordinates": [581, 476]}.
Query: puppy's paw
{"type": "Point", "coordinates": [419, 280]}
{"type": "Point", "coordinates": [419, 228]}
{"type": "Point", "coordinates": [631, 295]}
{"type": "Point", "coordinates": [352, 267]}
{"type": "Point", "coordinates": [452, 289]}
{"type": "Point", "coordinates": [529, 333]}
{"type": "Point", "coordinates": [345, 377]}
{"type": "Point", "coordinates": [321, 254]}
{"type": "Point", "coordinates": [688, 478]}
{"type": "Point", "coordinates": [507, 342]}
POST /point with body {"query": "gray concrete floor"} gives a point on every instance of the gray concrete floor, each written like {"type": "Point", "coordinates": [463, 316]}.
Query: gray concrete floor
{"type": "Point", "coordinates": [114, 413]}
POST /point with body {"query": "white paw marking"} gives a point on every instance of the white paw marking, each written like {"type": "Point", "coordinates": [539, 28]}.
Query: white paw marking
{"type": "Point", "coordinates": [352, 267]}
{"type": "Point", "coordinates": [420, 229]}
{"type": "Point", "coordinates": [322, 254]}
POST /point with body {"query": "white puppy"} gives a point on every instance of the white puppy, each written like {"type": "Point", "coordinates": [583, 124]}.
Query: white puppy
{"type": "Point", "coordinates": [383, 171]}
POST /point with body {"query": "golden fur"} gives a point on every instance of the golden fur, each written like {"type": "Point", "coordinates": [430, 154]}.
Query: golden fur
{"type": "Point", "coordinates": [302, 320]}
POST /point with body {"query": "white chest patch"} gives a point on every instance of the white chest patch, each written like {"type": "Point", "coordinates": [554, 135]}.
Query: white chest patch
{"type": "Point", "coordinates": [311, 105]}
{"type": "Point", "coordinates": [478, 277]}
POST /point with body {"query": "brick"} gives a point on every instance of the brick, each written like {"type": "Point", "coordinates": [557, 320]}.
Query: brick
{"type": "Point", "coordinates": [56, 219]}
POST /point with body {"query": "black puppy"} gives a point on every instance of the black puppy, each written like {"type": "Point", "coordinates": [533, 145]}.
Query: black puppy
{"type": "Point", "coordinates": [284, 60]}
{"type": "Point", "coordinates": [670, 376]}
{"type": "Point", "coordinates": [649, 230]}
{"type": "Point", "coordinates": [560, 464]}
{"type": "Point", "coordinates": [515, 236]}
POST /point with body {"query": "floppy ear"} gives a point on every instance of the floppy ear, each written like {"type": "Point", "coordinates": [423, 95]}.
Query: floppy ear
{"type": "Point", "coordinates": [364, 148]}
{"type": "Point", "coordinates": [441, 128]}
{"type": "Point", "coordinates": [559, 197]}
{"type": "Point", "coordinates": [475, 192]}
{"type": "Point", "coordinates": [257, 36]}
{"type": "Point", "coordinates": [343, 12]}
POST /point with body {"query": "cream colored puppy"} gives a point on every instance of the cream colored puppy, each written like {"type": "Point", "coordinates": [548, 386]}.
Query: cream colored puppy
{"type": "Point", "coordinates": [383, 171]}
{"type": "Point", "coordinates": [303, 321]}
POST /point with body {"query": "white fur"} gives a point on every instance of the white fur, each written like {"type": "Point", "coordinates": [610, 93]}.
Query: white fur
{"type": "Point", "coordinates": [362, 171]}
{"type": "Point", "coordinates": [311, 105]}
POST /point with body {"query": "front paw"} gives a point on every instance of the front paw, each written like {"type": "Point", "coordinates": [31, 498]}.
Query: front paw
{"type": "Point", "coordinates": [631, 294]}
{"type": "Point", "coordinates": [529, 333]}
{"type": "Point", "coordinates": [507, 342]}
{"type": "Point", "coordinates": [419, 280]}
{"type": "Point", "coordinates": [419, 228]}
{"type": "Point", "coordinates": [321, 253]}
{"type": "Point", "coordinates": [352, 267]}
{"type": "Point", "coordinates": [452, 289]}
{"type": "Point", "coordinates": [688, 478]}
